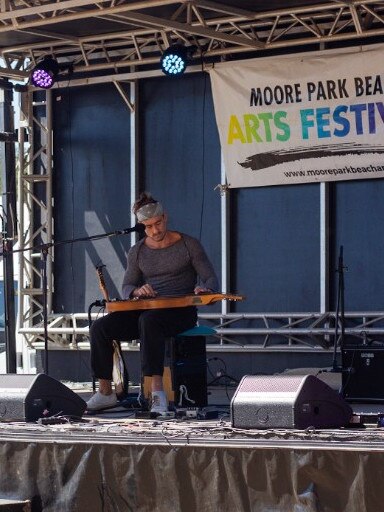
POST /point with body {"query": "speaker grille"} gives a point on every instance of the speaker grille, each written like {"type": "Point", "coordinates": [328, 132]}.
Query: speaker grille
{"type": "Point", "coordinates": [270, 384]}
{"type": "Point", "coordinates": [287, 401]}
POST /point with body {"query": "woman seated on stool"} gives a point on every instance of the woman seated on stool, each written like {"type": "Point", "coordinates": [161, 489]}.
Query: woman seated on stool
{"type": "Point", "coordinates": [163, 263]}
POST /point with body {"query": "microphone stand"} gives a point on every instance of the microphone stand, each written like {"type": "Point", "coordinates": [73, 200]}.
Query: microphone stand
{"type": "Point", "coordinates": [44, 249]}
{"type": "Point", "coordinates": [339, 312]}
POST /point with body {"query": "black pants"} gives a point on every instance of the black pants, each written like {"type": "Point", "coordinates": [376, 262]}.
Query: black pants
{"type": "Point", "coordinates": [151, 327]}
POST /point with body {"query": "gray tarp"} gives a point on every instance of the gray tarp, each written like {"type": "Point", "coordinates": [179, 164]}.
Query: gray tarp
{"type": "Point", "coordinates": [173, 473]}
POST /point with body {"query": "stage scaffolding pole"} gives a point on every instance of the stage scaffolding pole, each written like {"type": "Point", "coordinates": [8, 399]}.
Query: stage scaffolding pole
{"type": "Point", "coordinates": [8, 214]}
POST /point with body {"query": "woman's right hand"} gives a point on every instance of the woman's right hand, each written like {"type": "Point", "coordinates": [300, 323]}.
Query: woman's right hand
{"type": "Point", "coordinates": [144, 291]}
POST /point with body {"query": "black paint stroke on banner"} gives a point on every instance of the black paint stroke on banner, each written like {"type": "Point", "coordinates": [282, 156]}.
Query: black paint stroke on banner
{"type": "Point", "coordinates": [264, 160]}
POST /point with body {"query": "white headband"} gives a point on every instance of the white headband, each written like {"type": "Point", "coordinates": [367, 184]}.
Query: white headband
{"type": "Point", "coordinates": [148, 211]}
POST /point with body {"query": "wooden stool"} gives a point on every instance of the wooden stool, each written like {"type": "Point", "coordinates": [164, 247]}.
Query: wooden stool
{"type": "Point", "coordinates": [185, 369]}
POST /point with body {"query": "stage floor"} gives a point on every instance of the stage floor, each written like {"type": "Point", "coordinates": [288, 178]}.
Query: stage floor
{"type": "Point", "coordinates": [116, 464]}
{"type": "Point", "coordinates": [127, 423]}
{"type": "Point", "coordinates": [114, 461]}
{"type": "Point", "coordinates": [112, 427]}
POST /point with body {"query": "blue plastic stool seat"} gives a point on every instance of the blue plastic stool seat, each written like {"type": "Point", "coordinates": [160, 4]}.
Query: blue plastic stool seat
{"type": "Point", "coordinates": [198, 330]}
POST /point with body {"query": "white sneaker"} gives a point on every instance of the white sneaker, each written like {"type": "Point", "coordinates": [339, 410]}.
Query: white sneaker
{"type": "Point", "coordinates": [99, 401]}
{"type": "Point", "coordinates": [159, 402]}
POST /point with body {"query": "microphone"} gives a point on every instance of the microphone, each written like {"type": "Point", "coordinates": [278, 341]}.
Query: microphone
{"type": "Point", "coordinates": [139, 228]}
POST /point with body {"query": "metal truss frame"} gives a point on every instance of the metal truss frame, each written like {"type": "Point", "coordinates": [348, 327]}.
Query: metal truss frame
{"type": "Point", "coordinates": [120, 37]}
{"type": "Point", "coordinates": [269, 331]}
{"type": "Point", "coordinates": [34, 207]}
{"type": "Point", "coordinates": [124, 41]}
{"type": "Point", "coordinates": [266, 331]}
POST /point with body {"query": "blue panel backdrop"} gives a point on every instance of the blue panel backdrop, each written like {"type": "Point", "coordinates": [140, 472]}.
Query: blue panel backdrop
{"type": "Point", "coordinates": [181, 155]}
{"type": "Point", "coordinates": [358, 213]}
{"type": "Point", "coordinates": [275, 240]}
{"type": "Point", "coordinates": [277, 248]}
{"type": "Point", "coordinates": [91, 190]}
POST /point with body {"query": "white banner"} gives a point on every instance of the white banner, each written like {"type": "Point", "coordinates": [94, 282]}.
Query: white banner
{"type": "Point", "coordinates": [299, 119]}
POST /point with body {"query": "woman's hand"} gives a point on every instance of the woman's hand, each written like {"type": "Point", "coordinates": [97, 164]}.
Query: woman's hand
{"type": "Point", "coordinates": [200, 289]}
{"type": "Point", "coordinates": [144, 291]}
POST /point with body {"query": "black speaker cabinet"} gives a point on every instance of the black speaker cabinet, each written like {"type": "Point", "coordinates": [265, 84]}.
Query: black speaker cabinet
{"type": "Point", "coordinates": [189, 371]}
{"type": "Point", "coordinates": [287, 401]}
{"type": "Point", "coordinates": [362, 378]}
{"type": "Point", "coordinates": [30, 397]}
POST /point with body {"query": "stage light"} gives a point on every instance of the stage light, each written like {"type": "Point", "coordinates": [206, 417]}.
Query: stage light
{"type": "Point", "coordinates": [44, 74]}
{"type": "Point", "coordinates": [174, 60]}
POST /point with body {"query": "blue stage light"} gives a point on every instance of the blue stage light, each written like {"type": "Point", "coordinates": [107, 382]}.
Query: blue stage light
{"type": "Point", "coordinates": [174, 60]}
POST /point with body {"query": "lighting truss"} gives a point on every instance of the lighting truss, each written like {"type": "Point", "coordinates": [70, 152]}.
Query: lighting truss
{"type": "Point", "coordinates": [130, 36]}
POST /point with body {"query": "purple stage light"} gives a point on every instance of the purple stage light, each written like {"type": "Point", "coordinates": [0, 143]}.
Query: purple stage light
{"type": "Point", "coordinates": [44, 74]}
{"type": "Point", "coordinates": [41, 78]}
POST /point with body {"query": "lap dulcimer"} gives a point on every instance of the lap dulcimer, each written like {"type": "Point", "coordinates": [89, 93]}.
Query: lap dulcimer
{"type": "Point", "coordinates": [203, 299]}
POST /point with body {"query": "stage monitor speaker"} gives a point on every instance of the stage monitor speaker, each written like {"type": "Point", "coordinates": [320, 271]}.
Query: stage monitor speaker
{"type": "Point", "coordinates": [362, 378]}
{"type": "Point", "coordinates": [30, 397]}
{"type": "Point", "coordinates": [287, 401]}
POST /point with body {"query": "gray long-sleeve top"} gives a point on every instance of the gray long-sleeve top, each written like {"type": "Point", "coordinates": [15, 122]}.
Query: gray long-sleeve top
{"type": "Point", "coordinates": [172, 271]}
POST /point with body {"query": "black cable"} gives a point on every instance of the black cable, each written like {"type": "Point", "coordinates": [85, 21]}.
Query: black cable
{"type": "Point", "coordinates": [223, 375]}
{"type": "Point", "coordinates": [218, 359]}
{"type": "Point", "coordinates": [203, 158]}
{"type": "Point", "coordinates": [96, 304]}
{"type": "Point", "coordinates": [99, 304]}
{"type": "Point", "coordinates": [69, 120]}
{"type": "Point", "coordinates": [350, 370]}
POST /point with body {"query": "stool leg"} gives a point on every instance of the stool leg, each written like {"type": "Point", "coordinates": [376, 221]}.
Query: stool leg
{"type": "Point", "coordinates": [167, 384]}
